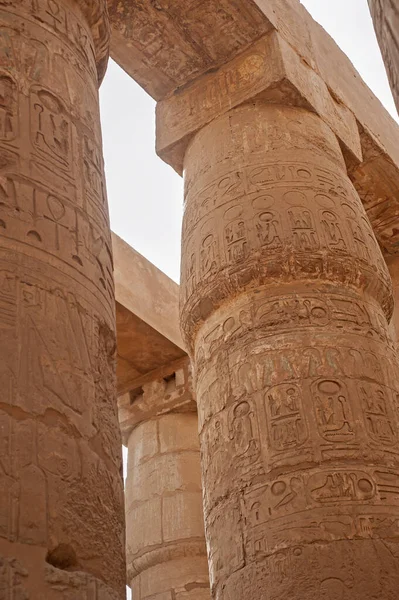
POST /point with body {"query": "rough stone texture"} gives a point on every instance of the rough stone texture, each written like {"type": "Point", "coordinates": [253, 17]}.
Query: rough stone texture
{"type": "Point", "coordinates": [147, 318]}
{"type": "Point", "coordinates": [385, 15]}
{"type": "Point", "coordinates": [60, 483]}
{"type": "Point", "coordinates": [270, 69]}
{"type": "Point", "coordinates": [285, 301]}
{"type": "Point", "coordinates": [393, 266]}
{"type": "Point", "coordinates": [166, 551]}
{"type": "Point", "coordinates": [168, 45]}
{"type": "Point", "coordinates": [163, 44]}
{"type": "Point", "coordinates": [146, 291]}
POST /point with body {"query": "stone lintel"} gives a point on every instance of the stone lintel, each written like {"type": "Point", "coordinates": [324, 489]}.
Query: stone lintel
{"type": "Point", "coordinates": [164, 44]}
{"type": "Point", "coordinates": [148, 335]}
{"type": "Point", "coordinates": [158, 393]}
{"type": "Point", "coordinates": [270, 70]}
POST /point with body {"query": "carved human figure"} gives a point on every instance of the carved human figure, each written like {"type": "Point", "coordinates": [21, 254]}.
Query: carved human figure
{"type": "Point", "coordinates": [267, 230]}
{"type": "Point", "coordinates": [8, 108]}
{"type": "Point", "coordinates": [305, 379]}
{"type": "Point", "coordinates": [241, 430]}
{"type": "Point", "coordinates": [61, 494]}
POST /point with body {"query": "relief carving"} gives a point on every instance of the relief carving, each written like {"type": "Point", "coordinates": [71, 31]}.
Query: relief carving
{"type": "Point", "coordinates": [285, 418]}
{"type": "Point", "coordinates": [378, 417]}
{"type": "Point", "coordinates": [58, 423]}
{"type": "Point", "coordinates": [334, 415]}
{"type": "Point", "coordinates": [51, 127]}
{"type": "Point", "coordinates": [8, 109]}
{"type": "Point", "coordinates": [296, 370]}
{"type": "Point", "coordinates": [242, 432]}
{"type": "Point", "coordinates": [12, 580]}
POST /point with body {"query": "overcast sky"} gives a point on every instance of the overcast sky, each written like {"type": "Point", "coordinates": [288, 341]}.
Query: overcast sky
{"type": "Point", "coordinates": [145, 195]}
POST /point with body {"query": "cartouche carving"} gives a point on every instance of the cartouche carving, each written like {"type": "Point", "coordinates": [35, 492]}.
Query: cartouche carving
{"type": "Point", "coordinates": [285, 306]}
{"type": "Point", "coordinates": [60, 458]}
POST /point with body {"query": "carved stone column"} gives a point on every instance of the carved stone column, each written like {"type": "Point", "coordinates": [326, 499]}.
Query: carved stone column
{"type": "Point", "coordinates": [393, 267]}
{"type": "Point", "coordinates": [61, 501]}
{"type": "Point", "coordinates": [385, 14]}
{"type": "Point", "coordinates": [166, 552]}
{"type": "Point", "coordinates": [285, 301]}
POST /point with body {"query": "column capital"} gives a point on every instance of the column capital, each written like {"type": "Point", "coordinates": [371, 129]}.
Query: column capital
{"type": "Point", "coordinates": [270, 70]}
{"type": "Point", "coordinates": [168, 392]}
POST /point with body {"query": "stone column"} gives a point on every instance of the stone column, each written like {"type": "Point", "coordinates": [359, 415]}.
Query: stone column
{"type": "Point", "coordinates": [61, 496]}
{"type": "Point", "coordinates": [393, 267]}
{"type": "Point", "coordinates": [285, 301]}
{"type": "Point", "coordinates": [166, 552]}
{"type": "Point", "coordinates": [385, 14]}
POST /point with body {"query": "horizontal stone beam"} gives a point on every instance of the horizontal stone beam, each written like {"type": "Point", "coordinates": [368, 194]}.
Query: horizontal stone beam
{"type": "Point", "coordinates": [270, 70]}
{"type": "Point", "coordinates": [146, 291]}
{"type": "Point", "coordinates": [163, 44]}
{"type": "Point", "coordinates": [148, 334]}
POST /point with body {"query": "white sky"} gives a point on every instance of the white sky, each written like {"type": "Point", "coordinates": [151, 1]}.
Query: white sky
{"type": "Point", "coordinates": [145, 195]}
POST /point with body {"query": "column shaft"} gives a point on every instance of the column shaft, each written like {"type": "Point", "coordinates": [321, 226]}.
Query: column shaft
{"type": "Point", "coordinates": [285, 300]}
{"type": "Point", "coordinates": [385, 14]}
{"type": "Point", "coordinates": [166, 552]}
{"type": "Point", "coordinates": [61, 496]}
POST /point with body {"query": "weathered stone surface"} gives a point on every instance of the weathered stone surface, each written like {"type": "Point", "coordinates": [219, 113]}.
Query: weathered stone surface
{"type": "Point", "coordinates": [166, 552]}
{"type": "Point", "coordinates": [385, 15]}
{"type": "Point", "coordinates": [393, 266]}
{"type": "Point", "coordinates": [153, 43]}
{"type": "Point", "coordinates": [164, 44]}
{"type": "Point", "coordinates": [285, 307]}
{"type": "Point", "coordinates": [61, 497]}
{"type": "Point", "coordinates": [146, 292]}
{"type": "Point", "coordinates": [147, 320]}
{"type": "Point", "coordinates": [270, 70]}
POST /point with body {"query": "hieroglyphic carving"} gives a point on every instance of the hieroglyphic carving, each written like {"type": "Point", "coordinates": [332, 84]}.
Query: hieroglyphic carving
{"type": "Point", "coordinates": [66, 585]}
{"type": "Point", "coordinates": [282, 221]}
{"type": "Point", "coordinates": [30, 210]}
{"type": "Point", "coordinates": [334, 415]}
{"type": "Point", "coordinates": [51, 128]}
{"type": "Point", "coordinates": [66, 25]}
{"type": "Point", "coordinates": [59, 431]}
{"type": "Point", "coordinates": [12, 580]}
{"type": "Point", "coordinates": [379, 419]}
{"type": "Point", "coordinates": [8, 109]}
{"type": "Point", "coordinates": [284, 415]}
{"type": "Point", "coordinates": [296, 373]}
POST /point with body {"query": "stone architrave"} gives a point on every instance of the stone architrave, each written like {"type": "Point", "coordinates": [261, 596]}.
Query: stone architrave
{"type": "Point", "coordinates": [165, 541]}
{"type": "Point", "coordinates": [285, 304]}
{"type": "Point", "coordinates": [61, 495]}
{"type": "Point", "coordinates": [385, 14]}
